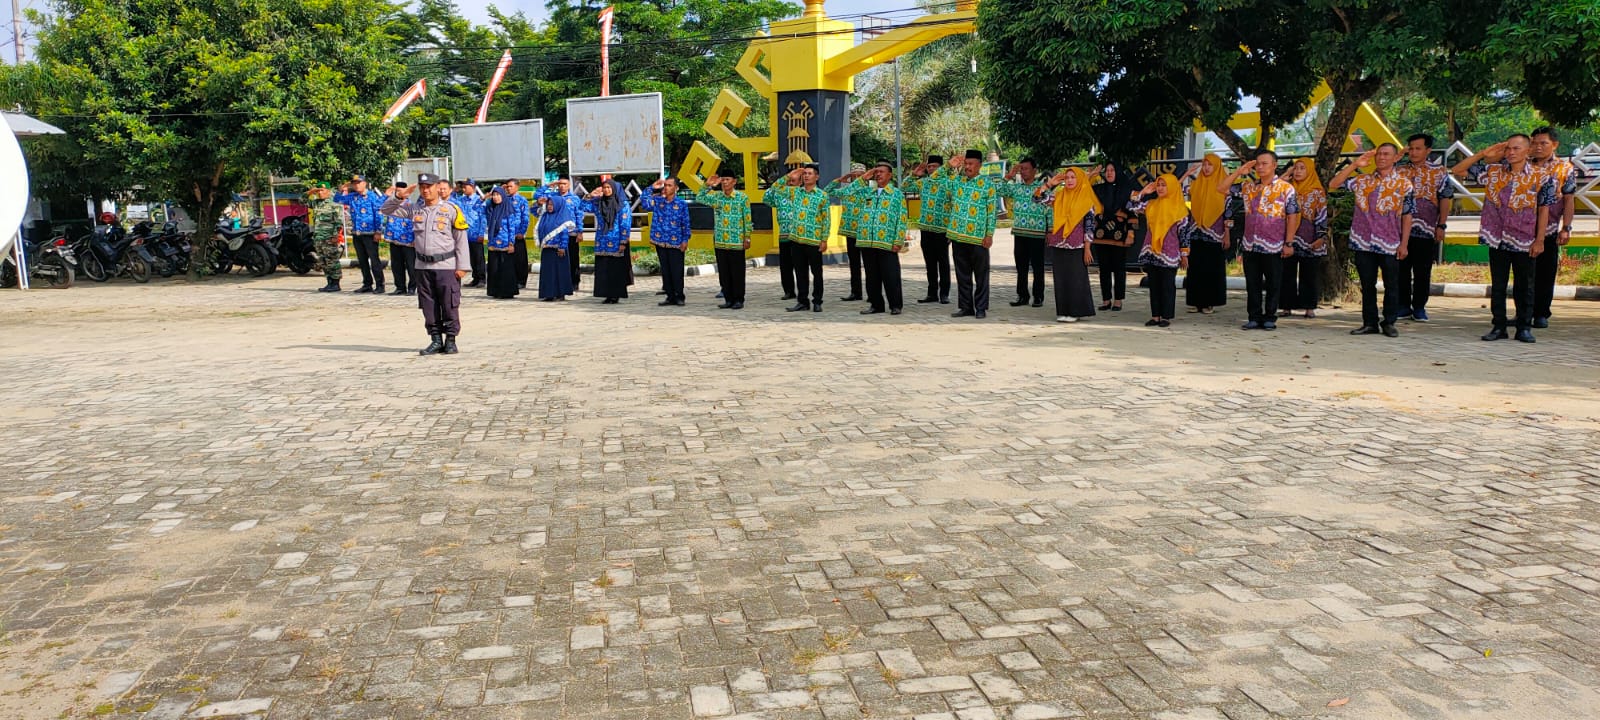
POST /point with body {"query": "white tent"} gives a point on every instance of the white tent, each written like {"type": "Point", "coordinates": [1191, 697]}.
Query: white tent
{"type": "Point", "coordinates": [14, 196]}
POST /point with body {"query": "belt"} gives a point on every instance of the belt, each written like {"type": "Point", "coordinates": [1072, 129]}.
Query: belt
{"type": "Point", "coordinates": [436, 258]}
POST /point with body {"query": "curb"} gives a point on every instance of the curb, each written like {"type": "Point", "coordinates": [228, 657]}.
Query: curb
{"type": "Point", "coordinates": [1462, 290]}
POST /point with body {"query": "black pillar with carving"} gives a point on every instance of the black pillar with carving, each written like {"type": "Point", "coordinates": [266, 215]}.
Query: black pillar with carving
{"type": "Point", "coordinates": [817, 124]}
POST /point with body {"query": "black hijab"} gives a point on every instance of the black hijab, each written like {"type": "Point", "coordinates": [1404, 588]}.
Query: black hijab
{"type": "Point", "coordinates": [607, 207]}
{"type": "Point", "coordinates": [497, 212]}
{"type": "Point", "coordinates": [1113, 194]}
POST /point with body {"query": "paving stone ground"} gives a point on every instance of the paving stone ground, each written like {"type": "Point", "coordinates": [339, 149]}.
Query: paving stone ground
{"type": "Point", "coordinates": [245, 499]}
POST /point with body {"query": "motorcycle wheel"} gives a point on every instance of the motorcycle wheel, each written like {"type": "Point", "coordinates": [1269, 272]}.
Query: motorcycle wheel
{"type": "Point", "coordinates": [165, 266]}
{"type": "Point", "coordinates": [221, 263]}
{"type": "Point", "coordinates": [55, 272]}
{"type": "Point", "coordinates": [299, 264]}
{"type": "Point", "coordinates": [256, 259]}
{"type": "Point", "coordinates": [8, 275]}
{"type": "Point", "coordinates": [138, 268]}
{"type": "Point", "coordinates": [94, 268]}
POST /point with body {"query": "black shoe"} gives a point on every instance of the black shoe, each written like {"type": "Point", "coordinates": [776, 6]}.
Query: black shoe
{"type": "Point", "coordinates": [1389, 330]}
{"type": "Point", "coordinates": [981, 315]}
{"type": "Point", "coordinates": [411, 291]}
{"type": "Point", "coordinates": [1164, 323]}
{"type": "Point", "coordinates": [1269, 325]}
{"type": "Point", "coordinates": [1541, 323]}
{"type": "Point", "coordinates": [399, 291]}
{"type": "Point", "coordinates": [1496, 334]}
{"type": "Point", "coordinates": [944, 301]}
{"type": "Point", "coordinates": [450, 345]}
{"type": "Point", "coordinates": [1105, 306]}
{"type": "Point", "coordinates": [378, 291]}
{"type": "Point", "coordinates": [962, 313]}
{"type": "Point", "coordinates": [816, 307]}
{"type": "Point", "coordinates": [724, 306]}
{"type": "Point", "coordinates": [928, 300]}
{"type": "Point", "coordinates": [719, 294]}
{"type": "Point", "coordinates": [1019, 302]}
{"type": "Point", "coordinates": [364, 289]}
{"type": "Point", "coordinates": [330, 287]}
{"type": "Point", "coordinates": [1365, 330]}
{"type": "Point", "coordinates": [1252, 325]}
{"type": "Point", "coordinates": [1116, 308]}
{"type": "Point", "coordinates": [665, 303]}
{"type": "Point", "coordinates": [433, 348]}
{"type": "Point", "coordinates": [852, 297]}
{"type": "Point", "coordinates": [872, 311]}
{"type": "Point", "coordinates": [661, 292]}
{"type": "Point", "coordinates": [788, 296]}
{"type": "Point", "coordinates": [798, 307]}
{"type": "Point", "coordinates": [894, 311]}
{"type": "Point", "coordinates": [474, 283]}
{"type": "Point", "coordinates": [1152, 322]}
{"type": "Point", "coordinates": [737, 306]}
{"type": "Point", "coordinates": [1525, 335]}
{"type": "Point", "coordinates": [1038, 303]}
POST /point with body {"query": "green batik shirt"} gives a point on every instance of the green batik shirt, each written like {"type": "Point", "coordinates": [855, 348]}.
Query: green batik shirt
{"type": "Point", "coordinates": [882, 211]}
{"type": "Point", "coordinates": [1029, 218]}
{"type": "Point", "coordinates": [849, 213]}
{"type": "Point", "coordinates": [733, 218]}
{"type": "Point", "coordinates": [935, 203]}
{"type": "Point", "coordinates": [972, 208]}
{"type": "Point", "coordinates": [803, 215]}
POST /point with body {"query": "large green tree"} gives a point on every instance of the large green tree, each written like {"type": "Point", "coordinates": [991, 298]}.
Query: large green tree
{"type": "Point", "coordinates": [190, 98]}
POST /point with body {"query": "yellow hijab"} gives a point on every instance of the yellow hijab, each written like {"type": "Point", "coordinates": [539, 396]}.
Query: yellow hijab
{"type": "Point", "coordinates": [1164, 212]}
{"type": "Point", "coordinates": [1204, 199]}
{"type": "Point", "coordinates": [1312, 182]}
{"type": "Point", "coordinates": [1072, 205]}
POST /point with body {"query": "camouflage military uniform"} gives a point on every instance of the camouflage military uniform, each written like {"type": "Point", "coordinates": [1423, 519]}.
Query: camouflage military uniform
{"type": "Point", "coordinates": [325, 224]}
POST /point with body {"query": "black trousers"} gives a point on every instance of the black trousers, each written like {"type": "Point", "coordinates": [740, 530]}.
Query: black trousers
{"type": "Point", "coordinates": [524, 265]}
{"type": "Point", "coordinates": [972, 276]}
{"type": "Point", "coordinates": [479, 260]}
{"type": "Point", "coordinates": [807, 262]}
{"type": "Point", "coordinates": [400, 259]}
{"type": "Point", "coordinates": [786, 266]}
{"type": "Point", "coordinates": [1368, 267]}
{"type": "Point", "coordinates": [936, 255]}
{"type": "Point", "coordinates": [439, 296]}
{"type": "Point", "coordinates": [1263, 272]}
{"type": "Point", "coordinates": [1519, 266]}
{"type": "Point", "coordinates": [574, 243]}
{"type": "Point", "coordinates": [854, 255]}
{"type": "Point", "coordinates": [368, 260]}
{"type": "Point", "coordinates": [1028, 252]}
{"type": "Point", "coordinates": [730, 274]}
{"type": "Point", "coordinates": [1302, 281]}
{"type": "Point", "coordinates": [1163, 291]}
{"type": "Point", "coordinates": [1113, 261]}
{"type": "Point", "coordinates": [671, 272]}
{"type": "Point", "coordinates": [1544, 277]}
{"type": "Point", "coordinates": [883, 278]}
{"type": "Point", "coordinates": [1416, 273]}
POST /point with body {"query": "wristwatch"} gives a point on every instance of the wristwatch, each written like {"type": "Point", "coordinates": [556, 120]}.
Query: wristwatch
{"type": "Point", "coordinates": [1441, 226]}
{"type": "Point", "coordinates": [1567, 229]}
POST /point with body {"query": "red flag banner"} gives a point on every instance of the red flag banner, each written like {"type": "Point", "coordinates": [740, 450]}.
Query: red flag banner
{"type": "Point", "coordinates": [605, 52]}
{"type": "Point", "coordinates": [417, 91]}
{"type": "Point", "coordinates": [494, 83]}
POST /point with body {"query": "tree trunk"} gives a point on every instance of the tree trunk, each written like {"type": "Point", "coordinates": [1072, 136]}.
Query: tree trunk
{"type": "Point", "coordinates": [1348, 95]}
{"type": "Point", "coordinates": [205, 208]}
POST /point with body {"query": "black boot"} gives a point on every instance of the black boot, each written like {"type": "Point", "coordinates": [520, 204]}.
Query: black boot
{"type": "Point", "coordinates": [332, 286]}
{"type": "Point", "coordinates": [450, 345]}
{"type": "Point", "coordinates": [433, 348]}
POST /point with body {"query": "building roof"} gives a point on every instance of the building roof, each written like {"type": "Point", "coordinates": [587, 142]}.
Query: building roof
{"type": "Point", "coordinates": [24, 126]}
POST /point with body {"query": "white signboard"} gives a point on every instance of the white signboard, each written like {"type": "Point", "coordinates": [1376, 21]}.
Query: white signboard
{"type": "Point", "coordinates": [412, 167]}
{"type": "Point", "coordinates": [619, 135]}
{"type": "Point", "coordinates": [497, 150]}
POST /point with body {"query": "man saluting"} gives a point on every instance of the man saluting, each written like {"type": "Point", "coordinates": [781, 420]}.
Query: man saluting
{"type": "Point", "coordinates": [440, 249]}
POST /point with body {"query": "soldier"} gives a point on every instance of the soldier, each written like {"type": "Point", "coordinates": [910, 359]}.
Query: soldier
{"type": "Point", "coordinates": [441, 258]}
{"type": "Point", "coordinates": [326, 222]}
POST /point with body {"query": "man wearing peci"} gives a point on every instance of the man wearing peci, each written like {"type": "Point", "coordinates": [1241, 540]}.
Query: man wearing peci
{"type": "Point", "coordinates": [730, 236]}
{"type": "Point", "coordinates": [971, 201]}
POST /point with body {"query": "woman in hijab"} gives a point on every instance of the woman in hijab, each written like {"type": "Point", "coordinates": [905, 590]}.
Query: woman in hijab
{"type": "Point", "coordinates": [1206, 285]}
{"type": "Point", "coordinates": [1166, 243]}
{"type": "Point", "coordinates": [1074, 209]}
{"type": "Point", "coordinates": [554, 229]}
{"type": "Point", "coordinates": [503, 219]}
{"type": "Point", "coordinates": [613, 224]}
{"type": "Point", "coordinates": [1114, 231]}
{"type": "Point", "coordinates": [1302, 271]}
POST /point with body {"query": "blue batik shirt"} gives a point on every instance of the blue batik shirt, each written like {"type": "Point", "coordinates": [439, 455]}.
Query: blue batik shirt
{"type": "Point", "coordinates": [614, 240]}
{"type": "Point", "coordinates": [473, 209]}
{"type": "Point", "coordinates": [514, 224]}
{"type": "Point", "coordinates": [399, 231]}
{"type": "Point", "coordinates": [669, 220]}
{"type": "Point", "coordinates": [364, 216]}
{"type": "Point", "coordinates": [575, 209]}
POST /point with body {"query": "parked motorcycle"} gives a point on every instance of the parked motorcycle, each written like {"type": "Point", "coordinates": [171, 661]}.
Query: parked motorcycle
{"type": "Point", "coordinates": [49, 262]}
{"type": "Point", "coordinates": [170, 247]}
{"type": "Point", "coordinates": [246, 247]}
{"type": "Point", "coordinates": [111, 251]}
{"type": "Point", "coordinates": [292, 241]}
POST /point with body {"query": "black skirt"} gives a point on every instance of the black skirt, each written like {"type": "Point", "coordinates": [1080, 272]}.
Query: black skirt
{"type": "Point", "coordinates": [612, 275]}
{"type": "Point", "coordinates": [1073, 295]}
{"type": "Point", "coordinates": [1206, 284]}
{"type": "Point", "coordinates": [502, 274]}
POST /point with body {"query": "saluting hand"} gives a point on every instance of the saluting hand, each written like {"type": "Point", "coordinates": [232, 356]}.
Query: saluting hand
{"type": "Point", "coordinates": [1366, 159]}
{"type": "Point", "coordinates": [1495, 152]}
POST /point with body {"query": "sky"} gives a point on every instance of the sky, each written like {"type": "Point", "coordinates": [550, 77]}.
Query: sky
{"type": "Point", "coordinates": [477, 10]}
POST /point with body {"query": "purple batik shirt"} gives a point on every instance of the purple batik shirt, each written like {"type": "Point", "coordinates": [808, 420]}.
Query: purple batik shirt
{"type": "Point", "coordinates": [1267, 207]}
{"type": "Point", "coordinates": [1511, 202]}
{"type": "Point", "coordinates": [1383, 200]}
{"type": "Point", "coordinates": [1431, 183]}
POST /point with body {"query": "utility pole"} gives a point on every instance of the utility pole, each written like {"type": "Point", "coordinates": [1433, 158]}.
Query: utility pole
{"type": "Point", "coordinates": [16, 29]}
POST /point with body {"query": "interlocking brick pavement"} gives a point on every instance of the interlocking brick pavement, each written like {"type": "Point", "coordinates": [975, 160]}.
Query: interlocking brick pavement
{"type": "Point", "coordinates": [248, 500]}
